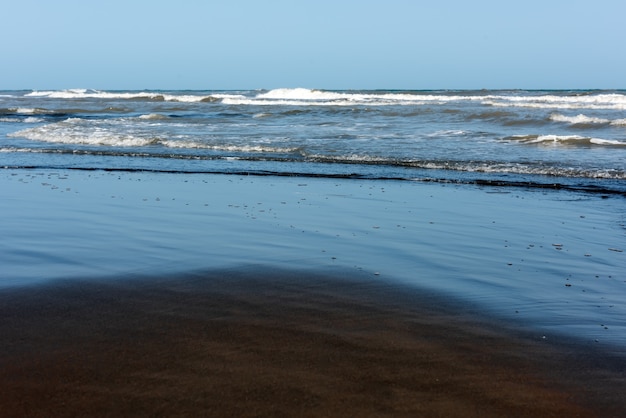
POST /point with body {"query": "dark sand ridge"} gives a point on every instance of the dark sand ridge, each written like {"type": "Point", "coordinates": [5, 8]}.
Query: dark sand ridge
{"type": "Point", "coordinates": [263, 342]}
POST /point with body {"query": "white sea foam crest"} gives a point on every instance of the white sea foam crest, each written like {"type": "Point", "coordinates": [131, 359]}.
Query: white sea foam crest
{"type": "Point", "coordinates": [309, 97]}
{"type": "Point", "coordinates": [619, 122]}
{"type": "Point", "coordinates": [312, 97]}
{"type": "Point", "coordinates": [600, 141]}
{"type": "Point", "coordinates": [477, 166]}
{"type": "Point", "coordinates": [27, 110]}
{"type": "Point", "coordinates": [30, 119]}
{"type": "Point", "coordinates": [578, 119]}
{"type": "Point", "coordinates": [586, 120]}
{"type": "Point", "coordinates": [79, 131]}
{"type": "Point", "coordinates": [447, 132]}
{"type": "Point", "coordinates": [96, 94]}
{"type": "Point", "coordinates": [555, 138]}
{"type": "Point", "coordinates": [228, 147]}
{"type": "Point", "coordinates": [612, 101]}
{"type": "Point", "coordinates": [153, 116]}
{"type": "Point", "coordinates": [302, 94]}
{"type": "Point", "coordinates": [566, 140]}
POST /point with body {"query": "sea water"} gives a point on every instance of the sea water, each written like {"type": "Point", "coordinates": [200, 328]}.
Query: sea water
{"type": "Point", "coordinates": [575, 138]}
{"type": "Point", "coordinates": [106, 183]}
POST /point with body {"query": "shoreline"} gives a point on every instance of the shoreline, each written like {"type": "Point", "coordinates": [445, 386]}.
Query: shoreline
{"type": "Point", "coordinates": [262, 341]}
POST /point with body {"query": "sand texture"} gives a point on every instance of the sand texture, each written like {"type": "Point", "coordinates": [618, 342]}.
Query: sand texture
{"type": "Point", "coordinates": [262, 342]}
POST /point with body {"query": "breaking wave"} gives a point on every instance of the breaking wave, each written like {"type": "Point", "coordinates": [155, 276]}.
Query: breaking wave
{"type": "Point", "coordinates": [567, 140]}
{"type": "Point", "coordinates": [136, 95]}
{"type": "Point", "coordinates": [312, 97]}
{"type": "Point", "coordinates": [492, 133]}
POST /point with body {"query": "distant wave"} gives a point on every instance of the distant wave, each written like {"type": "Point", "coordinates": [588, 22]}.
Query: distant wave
{"type": "Point", "coordinates": [137, 95]}
{"type": "Point", "coordinates": [307, 97]}
{"type": "Point", "coordinates": [312, 97]}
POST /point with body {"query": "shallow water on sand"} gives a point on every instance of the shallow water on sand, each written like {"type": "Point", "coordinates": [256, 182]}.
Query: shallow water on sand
{"type": "Point", "coordinates": [553, 260]}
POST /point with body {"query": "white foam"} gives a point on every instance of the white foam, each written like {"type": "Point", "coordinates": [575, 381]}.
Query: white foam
{"type": "Point", "coordinates": [308, 97]}
{"type": "Point", "coordinates": [14, 150]}
{"type": "Point", "coordinates": [84, 94]}
{"type": "Point", "coordinates": [96, 94]}
{"type": "Point", "coordinates": [153, 116]}
{"type": "Point", "coordinates": [599, 101]}
{"type": "Point", "coordinates": [303, 94]}
{"type": "Point", "coordinates": [228, 147]}
{"type": "Point", "coordinates": [32, 119]}
{"type": "Point", "coordinates": [25, 110]}
{"type": "Point", "coordinates": [78, 131]}
{"type": "Point", "coordinates": [566, 140]}
{"type": "Point", "coordinates": [612, 142]}
{"type": "Point", "coordinates": [556, 138]}
{"type": "Point", "coordinates": [60, 94]}
{"type": "Point", "coordinates": [586, 120]}
{"type": "Point", "coordinates": [576, 139]}
{"type": "Point", "coordinates": [311, 97]}
{"type": "Point", "coordinates": [348, 158]}
{"type": "Point", "coordinates": [578, 119]}
{"type": "Point", "coordinates": [447, 132]}
{"type": "Point", "coordinates": [189, 98]}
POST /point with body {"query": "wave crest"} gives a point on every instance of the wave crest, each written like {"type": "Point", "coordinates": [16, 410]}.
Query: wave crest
{"type": "Point", "coordinates": [578, 119]}
{"type": "Point", "coordinates": [566, 140]}
{"type": "Point", "coordinates": [135, 95]}
{"type": "Point", "coordinates": [74, 131]}
{"type": "Point", "coordinates": [312, 97]}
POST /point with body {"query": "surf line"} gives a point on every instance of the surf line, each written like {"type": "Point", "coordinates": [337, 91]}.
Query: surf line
{"type": "Point", "coordinates": [605, 192]}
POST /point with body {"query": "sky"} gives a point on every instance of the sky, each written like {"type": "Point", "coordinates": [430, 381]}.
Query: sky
{"type": "Point", "coordinates": [322, 44]}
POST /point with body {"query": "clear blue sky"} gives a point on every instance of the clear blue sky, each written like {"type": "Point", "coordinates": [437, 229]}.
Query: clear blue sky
{"type": "Point", "coordinates": [326, 44]}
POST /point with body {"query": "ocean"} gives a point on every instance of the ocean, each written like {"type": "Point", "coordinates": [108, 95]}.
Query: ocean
{"type": "Point", "coordinates": [513, 200]}
{"type": "Point", "coordinates": [574, 139]}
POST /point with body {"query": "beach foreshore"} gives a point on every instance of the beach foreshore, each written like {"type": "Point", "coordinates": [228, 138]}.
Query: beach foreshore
{"type": "Point", "coordinates": [259, 341]}
{"type": "Point", "coordinates": [144, 294]}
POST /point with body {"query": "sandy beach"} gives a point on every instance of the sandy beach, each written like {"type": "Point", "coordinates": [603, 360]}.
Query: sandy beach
{"type": "Point", "coordinates": [136, 294]}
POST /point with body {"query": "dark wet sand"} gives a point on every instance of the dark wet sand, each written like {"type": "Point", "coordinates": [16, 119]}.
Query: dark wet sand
{"type": "Point", "coordinates": [257, 342]}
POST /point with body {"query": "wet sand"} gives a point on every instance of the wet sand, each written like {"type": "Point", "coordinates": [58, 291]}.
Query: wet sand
{"type": "Point", "coordinates": [258, 341]}
{"type": "Point", "coordinates": [308, 297]}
